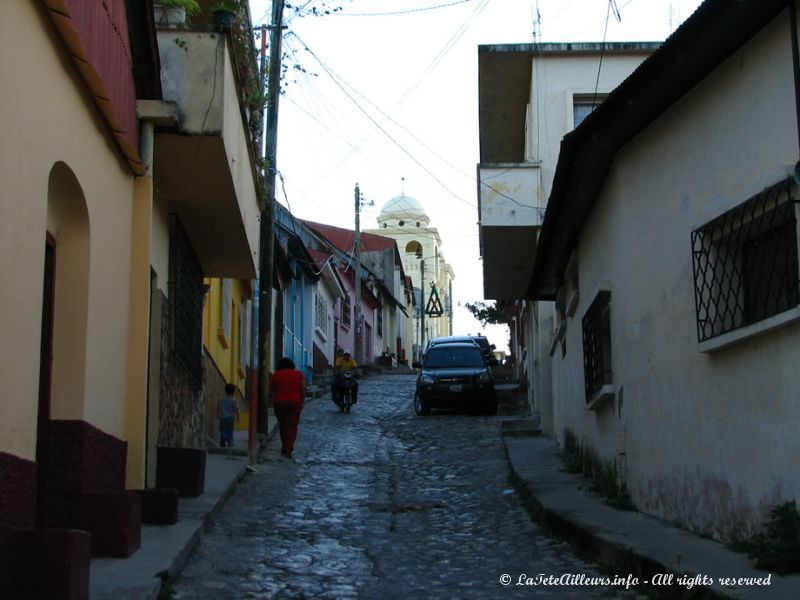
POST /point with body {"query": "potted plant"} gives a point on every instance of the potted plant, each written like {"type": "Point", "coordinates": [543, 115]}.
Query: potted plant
{"type": "Point", "coordinates": [224, 16]}
{"type": "Point", "coordinates": [173, 13]}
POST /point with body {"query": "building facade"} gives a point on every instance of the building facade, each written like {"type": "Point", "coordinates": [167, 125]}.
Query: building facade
{"type": "Point", "coordinates": [404, 220]}
{"type": "Point", "coordinates": [116, 158]}
{"type": "Point", "coordinates": [530, 96]}
{"type": "Point", "coordinates": [676, 288]}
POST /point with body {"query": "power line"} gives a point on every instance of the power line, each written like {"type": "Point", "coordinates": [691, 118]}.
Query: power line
{"type": "Point", "coordinates": [336, 80]}
{"type": "Point", "coordinates": [402, 12]}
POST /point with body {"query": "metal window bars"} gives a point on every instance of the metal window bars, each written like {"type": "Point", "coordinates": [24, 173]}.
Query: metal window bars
{"type": "Point", "coordinates": [597, 345]}
{"type": "Point", "coordinates": [745, 263]}
{"type": "Point", "coordinates": [187, 294]}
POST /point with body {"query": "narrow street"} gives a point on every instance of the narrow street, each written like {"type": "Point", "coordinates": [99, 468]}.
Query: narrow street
{"type": "Point", "coordinates": [381, 504]}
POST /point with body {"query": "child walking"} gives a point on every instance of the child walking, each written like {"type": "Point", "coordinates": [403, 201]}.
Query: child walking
{"type": "Point", "coordinates": [228, 412]}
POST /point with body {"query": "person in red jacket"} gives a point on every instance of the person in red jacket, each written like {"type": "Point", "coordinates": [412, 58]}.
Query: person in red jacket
{"type": "Point", "coordinates": [288, 388]}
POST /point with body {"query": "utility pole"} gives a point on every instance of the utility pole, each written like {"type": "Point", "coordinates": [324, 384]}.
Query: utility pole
{"type": "Point", "coordinates": [267, 225]}
{"type": "Point", "coordinates": [359, 352]}
{"type": "Point", "coordinates": [422, 307]}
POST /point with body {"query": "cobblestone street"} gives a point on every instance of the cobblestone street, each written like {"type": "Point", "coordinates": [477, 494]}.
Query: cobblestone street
{"type": "Point", "coordinates": [382, 504]}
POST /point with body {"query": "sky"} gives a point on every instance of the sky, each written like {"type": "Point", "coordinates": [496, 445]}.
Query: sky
{"type": "Point", "coordinates": [384, 93]}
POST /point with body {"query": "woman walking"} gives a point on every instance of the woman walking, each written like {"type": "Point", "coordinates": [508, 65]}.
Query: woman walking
{"type": "Point", "coordinates": [288, 388]}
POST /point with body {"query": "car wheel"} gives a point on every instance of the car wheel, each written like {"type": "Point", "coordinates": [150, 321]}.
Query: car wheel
{"type": "Point", "coordinates": [420, 406]}
{"type": "Point", "coordinates": [491, 408]}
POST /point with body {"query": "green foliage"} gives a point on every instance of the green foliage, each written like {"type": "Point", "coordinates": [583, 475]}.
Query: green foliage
{"type": "Point", "coordinates": [191, 6]}
{"type": "Point", "coordinates": [777, 547]}
{"type": "Point", "coordinates": [486, 313]}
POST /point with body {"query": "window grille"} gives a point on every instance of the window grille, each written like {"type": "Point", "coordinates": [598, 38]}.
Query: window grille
{"type": "Point", "coordinates": [321, 314]}
{"type": "Point", "coordinates": [346, 309]}
{"type": "Point", "coordinates": [186, 303]}
{"type": "Point", "coordinates": [597, 345]}
{"type": "Point", "coordinates": [745, 263]}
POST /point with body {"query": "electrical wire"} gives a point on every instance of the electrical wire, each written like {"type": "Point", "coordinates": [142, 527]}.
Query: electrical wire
{"type": "Point", "coordinates": [402, 12]}
{"type": "Point", "coordinates": [336, 80]}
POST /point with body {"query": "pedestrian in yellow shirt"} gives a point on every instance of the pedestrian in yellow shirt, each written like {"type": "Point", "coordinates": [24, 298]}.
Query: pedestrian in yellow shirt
{"type": "Point", "coordinates": [344, 363]}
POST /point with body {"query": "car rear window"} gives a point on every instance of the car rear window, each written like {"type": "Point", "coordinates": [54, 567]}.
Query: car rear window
{"type": "Point", "coordinates": [442, 356]}
{"type": "Point", "coordinates": [482, 342]}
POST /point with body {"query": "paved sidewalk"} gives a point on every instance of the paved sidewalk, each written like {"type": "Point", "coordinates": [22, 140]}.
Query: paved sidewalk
{"type": "Point", "coordinates": [165, 548]}
{"type": "Point", "coordinates": [639, 545]}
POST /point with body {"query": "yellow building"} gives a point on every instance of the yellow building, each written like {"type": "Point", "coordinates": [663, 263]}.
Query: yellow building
{"type": "Point", "coordinates": [124, 161]}
{"type": "Point", "coordinates": [227, 325]}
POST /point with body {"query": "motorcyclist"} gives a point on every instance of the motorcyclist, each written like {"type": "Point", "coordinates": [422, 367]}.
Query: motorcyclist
{"type": "Point", "coordinates": [344, 363]}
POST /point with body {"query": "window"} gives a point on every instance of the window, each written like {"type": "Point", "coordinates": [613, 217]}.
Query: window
{"type": "Point", "coordinates": [346, 310]}
{"type": "Point", "coordinates": [186, 296]}
{"type": "Point", "coordinates": [321, 315]}
{"type": "Point", "coordinates": [583, 105]}
{"type": "Point", "coordinates": [745, 263]}
{"type": "Point", "coordinates": [379, 323]}
{"type": "Point", "coordinates": [597, 348]}
{"type": "Point", "coordinates": [414, 247]}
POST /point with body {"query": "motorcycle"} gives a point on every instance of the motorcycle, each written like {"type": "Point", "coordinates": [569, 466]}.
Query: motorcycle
{"type": "Point", "coordinates": [347, 385]}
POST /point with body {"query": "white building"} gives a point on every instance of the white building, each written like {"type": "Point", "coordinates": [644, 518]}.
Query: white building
{"type": "Point", "coordinates": [670, 246]}
{"type": "Point", "coordinates": [530, 96]}
{"type": "Point", "coordinates": [404, 219]}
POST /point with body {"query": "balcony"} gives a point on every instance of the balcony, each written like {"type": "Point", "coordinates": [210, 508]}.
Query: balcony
{"type": "Point", "coordinates": [510, 217]}
{"type": "Point", "coordinates": [205, 165]}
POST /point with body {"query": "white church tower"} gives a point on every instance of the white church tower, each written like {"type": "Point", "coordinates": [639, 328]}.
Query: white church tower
{"type": "Point", "coordinates": [404, 219]}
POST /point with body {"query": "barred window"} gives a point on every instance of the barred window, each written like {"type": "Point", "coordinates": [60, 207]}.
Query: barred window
{"type": "Point", "coordinates": [346, 310]}
{"type": "Point", "coordinates": [597, 345]}
{"type": "Point", "coordinates": [187, 293]}
{"type": "Point", "coordinates": [321, 314]}
{"type": "Point", "coordinates": [745, 263]}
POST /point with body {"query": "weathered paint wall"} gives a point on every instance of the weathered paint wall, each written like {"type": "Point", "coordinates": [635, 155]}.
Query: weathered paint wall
{"type": "Point", "coordinates": [706, 440]}
{"type": "Point", "coordinates": [197, 74]}
{"type": "Point", "coordinates": [555, 81]}
{"type": "Point", "coordinates": [75, 136]}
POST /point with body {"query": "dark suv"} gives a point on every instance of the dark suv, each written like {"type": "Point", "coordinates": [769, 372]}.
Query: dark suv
{"type": "Point", "coordinates": [481, 341]}
{"type": "Point", "coordinates": [455, 375]}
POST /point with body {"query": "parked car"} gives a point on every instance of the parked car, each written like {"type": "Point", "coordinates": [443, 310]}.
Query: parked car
{"type": "Point", "coordinates": [455, 375]}
{"type": "Point", "coordinates": [481, 341]}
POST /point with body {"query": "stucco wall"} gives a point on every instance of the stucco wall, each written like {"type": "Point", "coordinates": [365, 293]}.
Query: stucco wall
{"type": "Point", "coordinates": [54, 105]}
{"type": "Point", "coordinates": [707, 440]}
{"type": "Point", "coordinates": [555, 80]}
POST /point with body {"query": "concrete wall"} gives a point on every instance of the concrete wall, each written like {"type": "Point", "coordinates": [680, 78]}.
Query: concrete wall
{"type": "Point", "coordinates": [555, 81]}
{"type": "Point", "coordinates": [324, 332]}
{"type": "Point", "coordinates": [89, 212]}
{"type": "Point", "coordinates": [706, 440]}
{"type": "Point", "coordinates": [198, 75]}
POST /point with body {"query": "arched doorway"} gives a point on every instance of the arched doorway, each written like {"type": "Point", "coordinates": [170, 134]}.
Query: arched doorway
{"type": "Point", "coordinates": [64, 320]}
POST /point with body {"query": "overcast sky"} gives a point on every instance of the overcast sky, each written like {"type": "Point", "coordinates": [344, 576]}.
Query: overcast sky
{"type": "Point", "coordinates": [387, 89]}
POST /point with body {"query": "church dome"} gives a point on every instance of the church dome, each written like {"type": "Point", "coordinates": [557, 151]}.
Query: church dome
{"type": "Point", "coordinates": [403, 211]}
